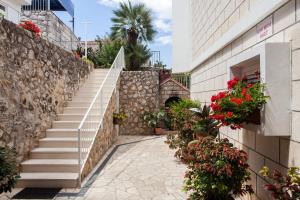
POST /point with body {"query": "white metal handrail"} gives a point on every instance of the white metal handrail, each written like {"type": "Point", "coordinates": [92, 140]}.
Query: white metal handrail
{"type": "Point", "coordinates": [93, 118]}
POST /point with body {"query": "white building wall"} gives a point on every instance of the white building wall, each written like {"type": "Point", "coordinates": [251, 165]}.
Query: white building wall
{"type": "Point", "coordinates": [212, 19]}
{"type": "Point", "coordinates": [181, 26]}
{"type": "Point", "coordinates": [13, 9]}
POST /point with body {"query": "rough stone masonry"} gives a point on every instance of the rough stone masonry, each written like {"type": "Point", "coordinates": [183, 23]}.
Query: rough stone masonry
{"type": "Point", "coordinates": [36, 80]}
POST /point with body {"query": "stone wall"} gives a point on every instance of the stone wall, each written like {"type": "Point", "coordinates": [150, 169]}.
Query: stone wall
{"type": "Point", "coordinates": [139, 93]}
{"type": "Point", "coordinates": [52, 28]}
{"type": "Point", "coordinates": [171, 88]}
{"type": "Point", "coordinates": [106, 136]}
{"type": "Point", "coordinates": [36, 79]}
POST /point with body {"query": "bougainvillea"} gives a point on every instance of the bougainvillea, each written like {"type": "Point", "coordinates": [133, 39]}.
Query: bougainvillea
{"type": "Point", "coordinates": [30, 26]}
{"type": "Point", "coordinates": [216, 170]}
{"type": "Point", "coordinates": [283, 187]}
{"type": "Point", "coordinates": [236, 105]}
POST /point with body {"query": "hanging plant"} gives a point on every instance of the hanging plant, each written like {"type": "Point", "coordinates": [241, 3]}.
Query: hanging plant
{"type": "Point", "coordinates": [241, 103]}
{"type": "Point", "coordinates": [30, 26]}
{"type": "Point", "coordinates": [119, 118]}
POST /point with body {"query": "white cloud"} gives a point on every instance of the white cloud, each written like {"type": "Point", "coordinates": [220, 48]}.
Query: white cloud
{"type": "Point", "coordinates": [162, 10]}
{"type": "Point", "coordinates": [164, 40]}
{"type": "Point", "coordinates": [163, 25]}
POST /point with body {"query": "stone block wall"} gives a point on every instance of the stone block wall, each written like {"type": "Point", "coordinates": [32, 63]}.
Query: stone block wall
{"type": "Point", "coordinates": [36, 79]}
{"type": "Point", "coordinates": [139, 93]}
{"type": "Point", "coordinates": [211, 76]}
{"type": "Point", "coordinates": [213, 18]}
{"type": "Point", "coordinates": [171, 88]}
{"type": "Point", "coordinates": [52, 28]}
{"type": "Point", "coordinates": [106, 136]}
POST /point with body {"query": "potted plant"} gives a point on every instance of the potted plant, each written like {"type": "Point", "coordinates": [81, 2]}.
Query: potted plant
{"type": "Point", "coordinates": [154, 120]}
{"type": "Point", "coordinates": [9, 174]}
{"type": "Point", "coordinates": [282, 187]}
{"type": "Point", "coordinates": [216, 170]}
{"type": "Point", "coordinates": [30, 26]}
{"type": "Point", "coordinates": [240, 104]}
{"type": "Point", "coordinates": [119, 118]}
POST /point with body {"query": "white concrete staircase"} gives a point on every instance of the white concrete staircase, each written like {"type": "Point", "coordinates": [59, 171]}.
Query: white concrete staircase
{"type": "Point", "coordinates": [55, 162]}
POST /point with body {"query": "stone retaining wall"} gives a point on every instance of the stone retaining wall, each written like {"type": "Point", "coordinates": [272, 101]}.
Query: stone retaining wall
{"type": "Point", "coordinates": [139, 93]}
{"type": "Point", "coordinates": [106, 136]}
{"type": "Point", "coordinates": [36, 79]}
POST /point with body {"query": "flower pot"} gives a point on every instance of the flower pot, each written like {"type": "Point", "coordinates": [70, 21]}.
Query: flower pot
{"type": "Point", "coordinates": [116, 121]}
{"type": "Point", "coordinates": [158, 131]}
{"type": "Point", "coordinates": [254, 117]}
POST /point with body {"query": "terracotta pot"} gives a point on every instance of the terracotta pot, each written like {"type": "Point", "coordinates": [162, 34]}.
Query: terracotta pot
{"type": "Point", "coordinates": [254, 117]}
{"type": "Point", "coordinates": [158, 131]}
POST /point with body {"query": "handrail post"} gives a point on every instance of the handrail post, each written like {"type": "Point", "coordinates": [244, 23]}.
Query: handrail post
{"type": "Point", "coordinates": [79, 158]}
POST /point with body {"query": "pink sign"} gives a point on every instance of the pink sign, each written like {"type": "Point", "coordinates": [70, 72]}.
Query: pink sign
{"type": "Point", "coordinates": [264, 29]}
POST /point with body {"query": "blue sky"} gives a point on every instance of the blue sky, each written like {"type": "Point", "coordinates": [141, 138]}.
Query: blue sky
{"type": "Point", "coordinates": [99, 13]}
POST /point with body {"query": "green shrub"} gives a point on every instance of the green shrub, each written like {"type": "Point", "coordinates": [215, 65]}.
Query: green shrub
{"type": "Point", "coordinates": [205, 125]}
{"type": "Point", "coordinates": [107, 52]}
{"type": "Point", "coordinates": [216, 170]}
{"type": "Point", "coordinates": [88, 61]}
{"type": "Point", "coordinates": [283, 187]}
{"type": "Point", "coordinates": [183, 120]}
{"type": "Point", "coordinates": [8, 170]}
{"type": "Point", "coordinates": [154, 119]}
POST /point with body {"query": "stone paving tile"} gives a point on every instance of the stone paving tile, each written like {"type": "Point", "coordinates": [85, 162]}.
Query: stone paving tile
{"type": "Point", "coordinates": [145, 170]}
{"type": "Point", "coordinates": [142, 168]}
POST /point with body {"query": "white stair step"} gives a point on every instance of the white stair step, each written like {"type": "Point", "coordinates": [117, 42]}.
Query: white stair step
{"type": "Point", "coordinates": [48, 180]}
{"type": "Point", "coordinates": [80, 110]}
{"type": "Point", "coordinates": [66, 133]}
{"type": "Point", "coordinates": [61, 142]}
{"type": "Point", "coordinates": [54, 153]}
{"type": "Point", "coordinates": [76, 117]}
{"type": "Point", "coordinates": [50, 165]}
{"type": "Point", "coordinates": [73, 124]}
{"type": "Point", "coordinates": [79, 103]}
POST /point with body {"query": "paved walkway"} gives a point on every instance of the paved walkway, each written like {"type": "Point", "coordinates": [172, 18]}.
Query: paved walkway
{"type": "Point", "coordinates": [142, 168]}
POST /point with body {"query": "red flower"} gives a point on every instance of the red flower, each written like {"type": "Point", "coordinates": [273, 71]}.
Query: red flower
{"type": "Point", "coordinates": [213, 98]}
{"type": "Point", "coordinates": [249, 85]}
{"type": "Point", "coordinates": [232, 83]}
{"type": "Point", "coordinates": [218, 117]}
{"type": "Point", "coordinates": [221, 95]}
{"type": "Point", "coordinates": [229, 114]}
{"type": "Point", "coordinates": [30, 26]}
{"type": "Point", "coordinates": [248, 97]}
{"type": "Point", "coordinates": [237, 101]}
{"type": "Point", "coordinates": [215, 106]}
{"type": "Point", "coordinates": [244, 91]}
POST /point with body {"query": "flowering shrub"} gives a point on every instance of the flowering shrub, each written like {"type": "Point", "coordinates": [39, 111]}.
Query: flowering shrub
{"type": "Point", "coordinates": [283, 187]}
{"type": "Point", "coordinates": [239, 103]}
{"type": "Point", "coordinates": [183, 120]}
{"type": "Point", "coordinates": [216, 170]}
{"type": "Point", "coordinates": [30, 26]}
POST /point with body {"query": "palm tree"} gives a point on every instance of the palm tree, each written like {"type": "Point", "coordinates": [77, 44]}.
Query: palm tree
{"type": "Point", "coordinates": [133, 23]}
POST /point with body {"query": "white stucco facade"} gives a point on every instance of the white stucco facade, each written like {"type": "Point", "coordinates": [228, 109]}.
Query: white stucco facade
{"type": "Point", "coordinates": [181, 26]}
{"type": "Point", "coordinates": [12, 9]}
{"type": "Point", "coordinates": [237, 33]}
